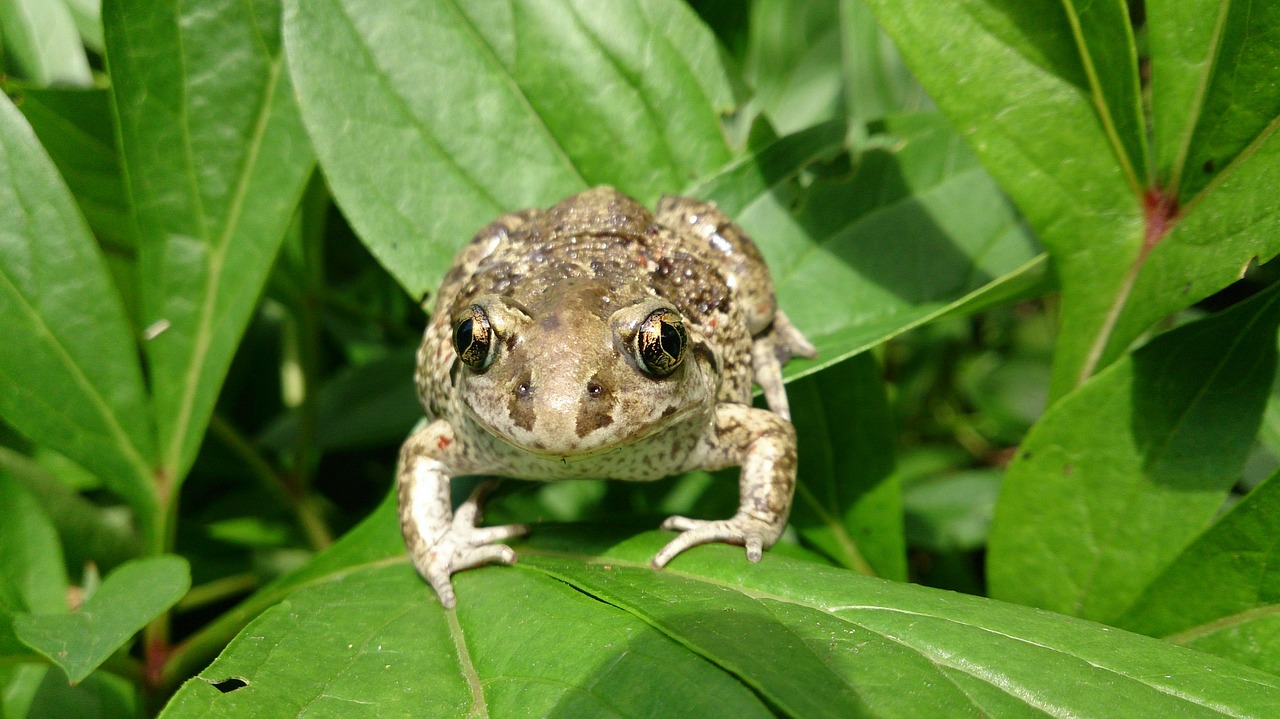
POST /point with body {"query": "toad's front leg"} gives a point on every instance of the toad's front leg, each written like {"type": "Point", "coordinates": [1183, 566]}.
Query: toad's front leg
{"type": "Point", "coordinates": [441, 541]}
{"type": "Point", "coordinates": [764, 445]}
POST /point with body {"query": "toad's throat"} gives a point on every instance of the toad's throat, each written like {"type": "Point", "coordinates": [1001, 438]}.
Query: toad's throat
{"type": "Point", "coordinates": [531, 443]}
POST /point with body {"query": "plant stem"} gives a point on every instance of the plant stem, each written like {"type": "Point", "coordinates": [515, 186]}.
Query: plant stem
{"type": "Point", "coordinates": [313, 526]}
{"type": "Point", "coordinates": [218, 590]}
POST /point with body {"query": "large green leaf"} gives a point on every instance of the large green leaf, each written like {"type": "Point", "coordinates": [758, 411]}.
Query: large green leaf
{"type": "Point", "coordinates": [432, 118]}
{"type": "Point", "coordinates": [848, 500]}
{"type": "Point", "coordinates": [1237, 557]}
{"type": "Point", "coordinates": [919, 231]}
{"type": "Point", "coordinates": [130, 597]}
{"type": "Point", "coordinates": [88, 531]}
{"type": "Point", "coordinates": [32, 577]}
{"type": "Point", "coordinates": [1019, 90]}
{"type": "Point", "coordinates": [1215, 110]}
{"type": "Point", "coordinates": [41, 35]}
{"type": "Point", "coordinates": [69, 373]}
{"type": "Point", "coordinates": [75, 128]}
{"type": "Point", "coordinates": [613, 637]}
{"type": "Point", "coordinates": [1047, 93]}
{"type": "Point", "coordinates": [39, 691]}
{"type": "Point", "coordinates": [1119, 476]}
{"type": "Point", "coordinates": [216, 159]}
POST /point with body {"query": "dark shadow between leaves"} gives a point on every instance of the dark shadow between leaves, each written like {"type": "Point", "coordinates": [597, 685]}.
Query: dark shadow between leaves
{"type": "Point", "coordinates": [877, 247]}
{"type": "Point", "coordinates": [754, 655]}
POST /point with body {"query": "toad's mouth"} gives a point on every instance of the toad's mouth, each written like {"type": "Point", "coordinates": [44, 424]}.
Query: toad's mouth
{"type": "Point", "coordinates": [535, 443]}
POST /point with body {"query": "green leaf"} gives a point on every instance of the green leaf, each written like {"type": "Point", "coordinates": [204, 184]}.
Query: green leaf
{"type": "Point", "coordinates": [32, 576]}
{"type": "Point", "coordinates": [87, 15]}
{"type": "Point", "coordinates": [951, 512]}
{"type": "Point", "coordinates": [1119, 476]}
{"type": "Point", "coordinates": [1037, 114]}
{"type": "Point", "coordinates": [824, 59]}
{"type": "Point", "coordinates": [1220, 152]}
{"type": "Point", "coordinates": [216, 159]}
{"type": "Point", "coordinates": [41, 35]}
{"type": "Point", "coordinates": [848, 499]}
{"type": "Point", "coordinates": [372, 405]}
{"type": "Point", "coordinates": [793, 62]}
{"type": "Point", "coordinates": [877, 81]}
{"type": "Point", "coordinates": [131, 596]}
{"type": "Point", "coordinates": [582, 625]}
{"type": "Point", "coordinates": [75, 128]}
{"type": "Point", "coordinates": [69, 373]}
{"type": "Point", "coordinates": [919, 231]}
{"type": "Point", "coordinates": [1048, 95]}
{"type": "Point", "coordinates": [87, 531]}
{"type": "Point", "coordinates": [1214, 67]}
{"type": "Point", "coordinates": [537, 101]}
{"type": "Point", "coordinates": [39, 691]}
{"type": "Point", "coordinates": [1237, 557]}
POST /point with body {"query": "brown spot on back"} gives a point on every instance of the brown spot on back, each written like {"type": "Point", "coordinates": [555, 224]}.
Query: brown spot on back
{"type": "Point", "coordinates": [550, 322]}
{"type": "Point", "coordinates": [595, 411]}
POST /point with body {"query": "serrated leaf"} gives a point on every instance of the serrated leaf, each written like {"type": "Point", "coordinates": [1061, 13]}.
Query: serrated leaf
{"type": "Point", "coordinates": [838, 644]}
{"type": "Point", "coordinates": [848, 500]}
{"type": "Point", "coordinates": [1237, 557]}
{"type": "Point", "coordinates": [432, 118]}
{"type": "Point", "coordinates": [1119, 476]}
{"type": "Point", "coordinates": [216, 159]}
{"type": "Point", "coordinates": [132, 595]}
{"type": "Point", "coordinates": [69, 374]}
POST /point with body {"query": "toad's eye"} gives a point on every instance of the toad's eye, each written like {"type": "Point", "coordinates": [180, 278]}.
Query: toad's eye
{"type": "Point", "coordinates": [474, 340]}
{"type": "Point", "coordinates": [661, 343]}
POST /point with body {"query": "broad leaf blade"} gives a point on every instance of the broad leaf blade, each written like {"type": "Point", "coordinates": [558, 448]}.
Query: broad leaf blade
{"type": "Point", "coordinates": [848, 500]}
{"type": "Point", "coordinates": [839, 644]}
{"type": "Point", "coordinates": [32, 576]}
{"type": "Point", "coordinates": [216, 159]}
{"type": "Point", "coordinates": [918, 231]}
{"type": "Point", "coordinates": [1237, 557]}
{"type": "Point", "coordinates": [69, 373]}
{"type": "Point", "coordinates": [1118, 477]}
{"type": "Point", "coordinates": [398, 653]}
{"type": "Point", "coordinates": [1213, 72]}
{"type": "Point", "coordinates": [41, 35]}
{"type": "Point", "coordinates": [1105, 42]}
{"type": "Point", "coordinates": [1215, 67]}
{"type": "Point", "coordinates": [75, 127]}
{"type": "Point", "coordinates": [130, 597]}
{"type": "Point", "coordinates": [432, 118]}
{"type": "Point", "coordinates": [1026, 100]}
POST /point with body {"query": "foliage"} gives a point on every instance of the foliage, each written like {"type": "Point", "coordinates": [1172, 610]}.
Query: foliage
{"type": "Point", "coordinates": [217, 222]}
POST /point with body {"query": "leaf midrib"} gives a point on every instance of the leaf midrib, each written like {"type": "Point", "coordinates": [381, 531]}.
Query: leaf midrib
{"type": "Point", "coordinates": [217, 256]}
{"type": "Point", "coordinates": [123, 439]}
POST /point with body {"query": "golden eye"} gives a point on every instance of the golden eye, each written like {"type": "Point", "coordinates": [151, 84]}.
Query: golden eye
{"type": "Point", "coordinates": [661, 343]}
{"type": "Point", "coordinates": [474, 339]}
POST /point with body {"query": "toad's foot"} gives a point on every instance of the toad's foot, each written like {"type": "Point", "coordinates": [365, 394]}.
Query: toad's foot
{"type": "Point", "coordinates": [755, 533]}
{"type": "Point", "coordinates": [464, 545]}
